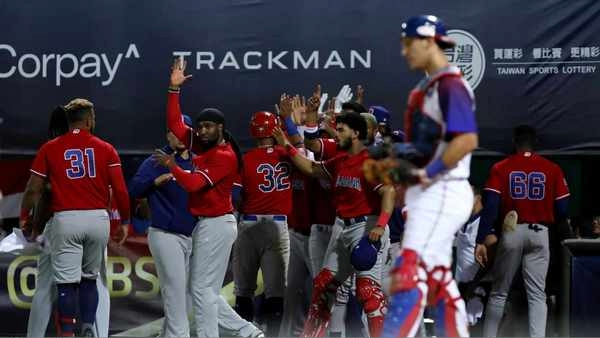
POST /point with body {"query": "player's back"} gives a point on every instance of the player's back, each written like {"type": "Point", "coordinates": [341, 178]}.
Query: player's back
{"type": "Point", "coordinates": [77, 165]}
{"type": "Point", "coordinates": [528, 184]}
{"type": "Point", "coordinates": [266, 187]}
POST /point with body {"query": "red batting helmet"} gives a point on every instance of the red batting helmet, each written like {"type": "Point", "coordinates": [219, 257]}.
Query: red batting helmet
{"type": "Point", "coordinates": [263, 123]}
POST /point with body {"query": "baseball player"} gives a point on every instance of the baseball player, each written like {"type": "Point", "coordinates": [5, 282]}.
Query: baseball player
{"type": "Point", "coordinates": [324, 237]}
{"type": "Point", "coordinates": [80, 168]}
{"type": "Point", "coordinates": [263, 239]}
{"type": "Point", "coordinates": [209, 185]}
{"type": "Point", "coordinates": [357, 203]}
{"type": "Point", "coordinates": [441, 133]}
{"type": "Point", "coordinates": [45, 290]}
{"type": "Point", "coordinates": [298, 290]}
{"type": "Point", "coordinates": [466, 265]}
{"type": "Point", "coordinates": [169, 235]}
{"type": "Point", "coordinates": [537, 191]}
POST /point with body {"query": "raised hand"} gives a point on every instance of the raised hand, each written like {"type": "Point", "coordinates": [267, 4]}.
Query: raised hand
{"type": "Point", "coordinates": [360, 94]}
{"type": "Point", "coordinates": [178, 76]}
{"type": "Point", "coordinates": [344, 95]}
{"type": "Point", "coordinates": [280, 137]}
{"type": "Point", "coordinates": [298, 109]}
{"type": "Point", "coordinates": [314, 101]}
{"type": "Point", "coordinates": [285, 105]}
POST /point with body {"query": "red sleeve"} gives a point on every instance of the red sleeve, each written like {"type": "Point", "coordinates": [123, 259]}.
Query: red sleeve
{"type": "Point", "coordinates": [191, 182]}
{"type": "Point", "coordinates": [494, 182]}
{"type": "Point", "coordinates": [328, 148]}
{"type": "Point", "coordinates": [238, 181]}
{"type": "Point", "coordinates": [218, 167]}
{"type": "Point", "coordinates": [113, 157]}
{"type": "Point", "coordinates": [561, 188]}
{"type": "Point", "coordinates": [175, 119]}
{"type": "Point", "coordinates": [40, 164]}
{"type": "Point", "coordinates": [120, 194]}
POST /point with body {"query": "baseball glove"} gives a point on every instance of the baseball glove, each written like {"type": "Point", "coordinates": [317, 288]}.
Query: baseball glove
{"type": "Point", "coordinates": [510, 221]}
{"type": "Point", "coordinates": [390, 171]}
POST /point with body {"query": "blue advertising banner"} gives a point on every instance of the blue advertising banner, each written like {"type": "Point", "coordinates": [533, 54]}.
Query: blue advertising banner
{"type": "Point", "coordinates": [530, 62]}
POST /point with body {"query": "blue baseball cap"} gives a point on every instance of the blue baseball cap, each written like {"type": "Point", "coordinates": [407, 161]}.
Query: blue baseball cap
{"type": "Point", "coordinates": [364, 254]}
{"type": "Point", "coordinates": [427, 26]}
{"type": "Point", "coordinates": [187, 120]}
{"type": "Point", "coordinates": [381, 113]}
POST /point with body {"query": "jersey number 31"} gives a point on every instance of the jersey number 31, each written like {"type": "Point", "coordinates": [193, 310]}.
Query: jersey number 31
{"type": "Point", "coordinates": [531, 186]}
{"type": "Point", "coordinates": [79, 168]}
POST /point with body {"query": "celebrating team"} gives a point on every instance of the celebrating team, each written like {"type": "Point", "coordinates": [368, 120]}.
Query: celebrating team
{"type": "Point", "coordinates": [308, 205]}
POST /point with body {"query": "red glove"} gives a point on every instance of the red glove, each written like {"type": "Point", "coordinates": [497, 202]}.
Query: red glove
{"type": "Point", "coordinates": [404, 275]}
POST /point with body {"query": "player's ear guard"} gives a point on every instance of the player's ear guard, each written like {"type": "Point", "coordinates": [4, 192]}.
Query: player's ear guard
{"type": "Point", "coordinates": [364, 254]}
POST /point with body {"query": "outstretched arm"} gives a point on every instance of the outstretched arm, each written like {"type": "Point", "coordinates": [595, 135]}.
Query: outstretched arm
{"type": "Point", "coordinates": [174, 116]}
{"type": "Point", "coordinates": [305, 165]}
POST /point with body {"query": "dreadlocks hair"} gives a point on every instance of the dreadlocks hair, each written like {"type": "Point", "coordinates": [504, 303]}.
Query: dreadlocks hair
{"type": "Point", "coordinates": [236, 148]}
{"type": "Point", "coordinates": [58, 124]}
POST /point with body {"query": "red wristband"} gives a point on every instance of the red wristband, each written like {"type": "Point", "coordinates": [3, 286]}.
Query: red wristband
{"type": "Point", "coordinates": [292, 151]}
{"type": "Point", "coordinates": [383, 219]}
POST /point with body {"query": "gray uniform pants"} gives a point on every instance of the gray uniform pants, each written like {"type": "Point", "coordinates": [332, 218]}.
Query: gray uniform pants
{"type": "Point", "coordinates": [77, 243]}
{"type": "Point", "coordinates": [45, 295]}
{"type": "Point", "coordinates": [526, 246]}
{"type": "Point", "coordinates": [318, 242]}
{"type": "Point", "coordinates": [171, 253]}
{"type": "Point", "coordinates": [263, 243]}
{"type": "Point", "coordinates": [297, 293]}
{"type": "Point", "coordinates": [212, 240]}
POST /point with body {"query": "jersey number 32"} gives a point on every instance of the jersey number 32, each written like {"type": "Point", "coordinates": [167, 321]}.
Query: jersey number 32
{"type": "Point", "coordinates": [276, 177]}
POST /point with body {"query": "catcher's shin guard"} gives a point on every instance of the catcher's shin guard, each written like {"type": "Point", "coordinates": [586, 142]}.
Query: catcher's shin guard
{"type": "Point", "coordinates": [407, 302]}
{"type": "Point", "coordinates": [371, 296]}
{"type": "Point", "coordinates": [451, 314]}
{"type": "Point", "coordinates": [324, 288]}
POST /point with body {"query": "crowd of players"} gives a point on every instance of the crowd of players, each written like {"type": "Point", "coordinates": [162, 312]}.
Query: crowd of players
{"type": "Point", "coordinates": [345, 247]}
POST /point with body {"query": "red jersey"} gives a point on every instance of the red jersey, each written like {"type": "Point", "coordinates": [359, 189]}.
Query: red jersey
{"type": "Point", "coordinates": [217, 169]}
{"type": "Point", "coordinates": [329, 148]}
{"type": "Point", "coordinates": [299, 218]}
{"type": "Point", "coordinates": [265, 181]}
{"type": "Point", "coordinates": [528, 184]}
{"type": "Point", "coordinates": [353, 195]}
{"type": "Point", "coordinates": [322, 206]}
{"type": "Point", "coordinates": [77, 166]}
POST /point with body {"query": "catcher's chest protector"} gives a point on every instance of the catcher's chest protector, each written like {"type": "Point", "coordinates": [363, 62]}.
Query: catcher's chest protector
{"type": "Point", "coordinates": [423, 119]}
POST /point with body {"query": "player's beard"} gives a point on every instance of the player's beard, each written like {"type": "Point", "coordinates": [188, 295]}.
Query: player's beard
{"type": "Point", "coordinates": [344, 144]}
{"type": "Point", "coordinates": [207, 144]}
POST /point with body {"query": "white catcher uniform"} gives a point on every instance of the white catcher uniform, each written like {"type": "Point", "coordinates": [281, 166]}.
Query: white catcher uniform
{"type": "Point", "coordinates": [440, 107]}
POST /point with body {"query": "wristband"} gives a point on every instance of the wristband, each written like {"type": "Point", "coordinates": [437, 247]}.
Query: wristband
{"type": "Point", "coordinates": [292, 151]}
{"type": "Point", "coordinates": [125, 222]}
{"type": "Point", "coordinates": [435, 167]}
{"type": "Point", "coordinates": [383, 219]}
{"type": "Point", "coordinates": [290, 126]}
{"type": "Point", "coordinates": [174, 90]}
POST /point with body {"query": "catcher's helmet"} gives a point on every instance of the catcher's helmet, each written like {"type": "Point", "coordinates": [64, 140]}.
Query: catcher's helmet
{"type": "Point", "coordinates": [427, 26]}
{"type": "Point", "coordinates": [364, 254]}
{"type": "Point", "coordinates": [263, 123]}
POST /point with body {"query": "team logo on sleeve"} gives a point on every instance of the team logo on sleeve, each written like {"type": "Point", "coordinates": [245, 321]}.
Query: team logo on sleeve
{"type": "Point", "coordinates": [467, 55]}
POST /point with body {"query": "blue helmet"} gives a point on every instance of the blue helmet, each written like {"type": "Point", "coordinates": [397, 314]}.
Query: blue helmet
{"type": "Point", "coordinates": [427, 26]}
{"type": "Point", "coordinates": [364, 254]}
{"type": "Point", "coordinates": [381, 114]}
